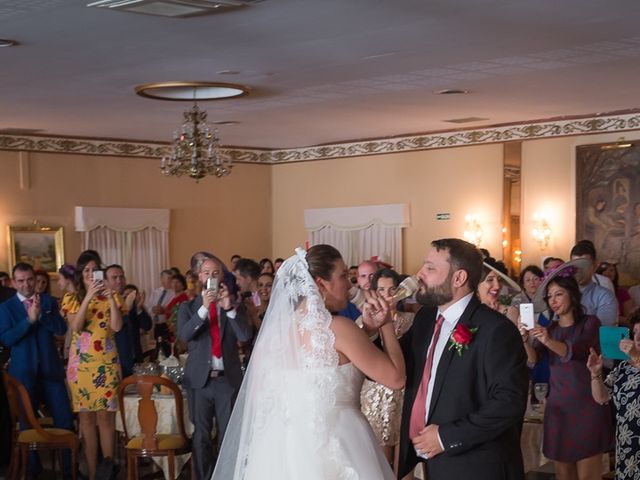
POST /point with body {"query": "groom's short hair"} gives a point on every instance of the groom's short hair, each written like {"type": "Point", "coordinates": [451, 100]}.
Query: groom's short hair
{"type": "Point", "coordinates": [462, 256]}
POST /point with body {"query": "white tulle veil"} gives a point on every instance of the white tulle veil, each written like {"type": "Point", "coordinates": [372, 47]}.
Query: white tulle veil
{"type": "Point", "coordinates": [279, 426]}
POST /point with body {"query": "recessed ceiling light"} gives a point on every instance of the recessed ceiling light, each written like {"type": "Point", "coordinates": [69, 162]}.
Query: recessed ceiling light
{"type": "Point", "coordinates": [5, 42]}
{"type": "Point", "coordinates": [226, 122]}
{"type": "Point", "coordinates": [452, 91]}
{"type": "Point", "coordinates": [191, 91]}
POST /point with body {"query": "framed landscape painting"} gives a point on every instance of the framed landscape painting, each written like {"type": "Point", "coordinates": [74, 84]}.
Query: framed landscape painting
{"type": "Point", "coordinates": [40, 246]}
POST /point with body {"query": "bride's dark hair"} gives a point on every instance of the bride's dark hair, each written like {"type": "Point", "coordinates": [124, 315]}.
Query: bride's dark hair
{"type": "Point", "coordinates": [321, 260]}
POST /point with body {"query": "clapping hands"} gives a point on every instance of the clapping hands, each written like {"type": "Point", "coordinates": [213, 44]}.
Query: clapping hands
{"type": "Point", "coordinates": [594, 363]}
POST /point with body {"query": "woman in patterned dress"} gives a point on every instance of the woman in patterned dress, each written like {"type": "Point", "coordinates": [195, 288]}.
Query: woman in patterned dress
{"type": "Point", "coordinates": [577, 430]}
{"type": "Point", "coordinates": [623, 386]}
{"type": "Point", "coordinates": [381, 405]}
{"type": "Point", "coordinates": [93, 372]}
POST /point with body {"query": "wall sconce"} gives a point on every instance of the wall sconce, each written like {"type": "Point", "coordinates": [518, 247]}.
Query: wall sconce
{"type": "Point", "coordinates": [541, 230]}
{"type": "Point", "coordinates": [473, 230]}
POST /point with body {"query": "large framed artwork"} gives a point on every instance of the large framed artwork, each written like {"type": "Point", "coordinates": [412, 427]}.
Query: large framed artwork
{"type": "Point", "coordinates": [41, 246]}
{"type": "Point", "coordinates": [608, 204]}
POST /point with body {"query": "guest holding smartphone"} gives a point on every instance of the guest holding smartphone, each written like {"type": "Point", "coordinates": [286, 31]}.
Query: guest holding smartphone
{"type": "Point", "coordinates": [93, 373]}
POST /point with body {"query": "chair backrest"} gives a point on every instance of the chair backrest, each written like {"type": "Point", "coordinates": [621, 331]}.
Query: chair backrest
{"type": "Point", "coordinates": [20, 406]}
{"type": "Point", "coordinates": [147, 413]}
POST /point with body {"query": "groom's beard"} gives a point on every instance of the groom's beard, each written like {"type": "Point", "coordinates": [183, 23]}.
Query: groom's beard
{"type": "Point", "coordinates": [436, 295]}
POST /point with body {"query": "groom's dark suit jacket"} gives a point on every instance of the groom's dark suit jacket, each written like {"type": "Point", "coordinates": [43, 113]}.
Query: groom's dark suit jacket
{"type": "Point", "coordinates": [479, 398]}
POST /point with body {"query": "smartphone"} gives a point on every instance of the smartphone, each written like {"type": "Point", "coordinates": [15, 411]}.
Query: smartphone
{"type": "Point", "coordinates": [98, 276]}
{"type": "Point", "coordinates": [526, 315]}
{"type": "Point", "coordinates": [212, 284]}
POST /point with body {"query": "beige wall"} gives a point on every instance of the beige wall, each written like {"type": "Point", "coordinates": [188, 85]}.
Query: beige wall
{"type": "Point", "coordinates": [224, 216]}
{"type": "Point", "coordinates": [549, 186]}
{"type": "Point", "coordinates": [259, 210]}
{"type": "Point", "coordinates": [459, 181]}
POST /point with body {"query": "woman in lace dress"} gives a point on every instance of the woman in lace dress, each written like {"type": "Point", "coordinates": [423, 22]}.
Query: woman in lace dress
{"type": "Point", "coordinates": [298, 412]}
{"type": "Point", "coordinates": [623, 386]}
{"type": "Point", "coordinates": [382, 405]}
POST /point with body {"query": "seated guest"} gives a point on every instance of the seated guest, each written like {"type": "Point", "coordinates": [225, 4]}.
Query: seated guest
{"type": "Point", "coordinates": [43, 282]}
{"type": "Point", "coordinates": [134, 318]}
{"type": "Point", "coordinates": [623, 387]}
{"type": "Point", "coordinates": [28, 323]}
{"type": "Point", "coordinates": [211, 326]}
{"type": "Point", "coordinates": [5, 279]}
{"type": "Point", "coordinates": [93, 373]}
{"type": "Point", "coordinates": [577, 431]}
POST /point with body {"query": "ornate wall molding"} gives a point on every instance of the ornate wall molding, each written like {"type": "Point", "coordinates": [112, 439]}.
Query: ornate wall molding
{"type": "Point", "coordinates": [428, 141]}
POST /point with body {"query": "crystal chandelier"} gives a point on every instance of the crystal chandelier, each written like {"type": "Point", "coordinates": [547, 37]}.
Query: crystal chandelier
{"type": "Point", "coordinates": [195, 150]}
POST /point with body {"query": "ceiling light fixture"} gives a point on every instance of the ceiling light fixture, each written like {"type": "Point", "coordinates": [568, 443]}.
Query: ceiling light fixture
{"type": "Point", "coordinates": [195, 149]}
{"type": "Point", "coordinates": [452, 91]}
{"type": "Point", "coordinates": [5, 42]}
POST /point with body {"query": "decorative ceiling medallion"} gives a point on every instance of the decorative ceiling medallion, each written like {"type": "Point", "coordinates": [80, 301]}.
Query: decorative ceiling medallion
{"type": "Point", "coordinates": [191, 91]}
{"type": "Point", "coordinates": [458, 138]}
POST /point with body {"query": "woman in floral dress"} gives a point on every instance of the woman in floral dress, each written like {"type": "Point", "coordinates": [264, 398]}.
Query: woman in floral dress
{"type": "Point", "coordinates": [93, 372]}
{"type": "Point", "coordinates": [623, 386]}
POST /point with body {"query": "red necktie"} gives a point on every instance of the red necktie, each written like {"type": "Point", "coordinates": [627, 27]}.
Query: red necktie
{"type": "Point", "coordinates": [214, 325]}
{"type": "Point", "coordinates": [418, 412]}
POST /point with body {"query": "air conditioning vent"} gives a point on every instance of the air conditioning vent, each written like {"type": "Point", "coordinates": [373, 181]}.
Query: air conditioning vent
{"type": "Point", "coordinates": [173, 8]}
{"type": "Point", "coordinates": [465, 120]}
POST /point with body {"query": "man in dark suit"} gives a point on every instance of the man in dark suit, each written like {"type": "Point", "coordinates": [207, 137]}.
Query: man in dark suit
{"type": "Point", "coordinates": [465, 399]}
{"type": "Point", "coordinates": [211, 326]}
{"type": "Point", "coordinates": [28, 324]}
{"type": "Point", "coordinates": [136, 318]}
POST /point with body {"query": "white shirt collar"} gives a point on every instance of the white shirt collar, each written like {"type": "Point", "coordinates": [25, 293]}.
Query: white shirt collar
{"type": "Point", "coordinates": [22, 298]}
{"type": "Point", "coordinates": [454, 312]}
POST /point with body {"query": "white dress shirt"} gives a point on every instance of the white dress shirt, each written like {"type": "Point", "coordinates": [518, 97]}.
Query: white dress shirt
{"type": "Point", "coordinates": [451, 316]}
{"type": "Point", "coordinates": [153, 301]}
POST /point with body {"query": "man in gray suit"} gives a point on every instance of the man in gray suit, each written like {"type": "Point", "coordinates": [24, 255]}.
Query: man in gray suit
{"type": "Point", "coordinates": [211, 327]}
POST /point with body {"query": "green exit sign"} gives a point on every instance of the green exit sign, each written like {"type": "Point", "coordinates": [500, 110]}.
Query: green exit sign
{"type": "Point", "coordinates": [443, 216]}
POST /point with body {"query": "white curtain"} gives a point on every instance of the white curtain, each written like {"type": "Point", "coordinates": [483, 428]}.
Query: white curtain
{"type": "Point", "coordinates": [137, 239]}
{"type": "Point", "coordinates": [360, 233]}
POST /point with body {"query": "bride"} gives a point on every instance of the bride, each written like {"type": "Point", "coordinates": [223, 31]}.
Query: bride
{"type": "Point", "coordinates": [298, 412]}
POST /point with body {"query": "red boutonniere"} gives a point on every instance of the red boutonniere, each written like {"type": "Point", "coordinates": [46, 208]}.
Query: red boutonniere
{"type": "Point", "coordinates": [461, 338]}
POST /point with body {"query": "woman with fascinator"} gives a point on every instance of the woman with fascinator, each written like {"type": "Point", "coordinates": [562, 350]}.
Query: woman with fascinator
{"type": "Point", "coordinates": [298, 411]}
{"type": "Point", "coordinates": [577, 430]}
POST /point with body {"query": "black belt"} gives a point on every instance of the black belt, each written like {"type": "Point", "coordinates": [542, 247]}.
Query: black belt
{"type": "Point", "coordinates": [216, 373]}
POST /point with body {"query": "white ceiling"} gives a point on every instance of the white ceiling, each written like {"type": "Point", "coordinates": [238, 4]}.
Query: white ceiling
{"type": "Point", "coordinates": [321, 71]}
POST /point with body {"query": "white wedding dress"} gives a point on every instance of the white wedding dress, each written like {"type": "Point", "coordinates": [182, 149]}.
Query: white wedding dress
{"type": "Point", "coordinates": [298, 415]}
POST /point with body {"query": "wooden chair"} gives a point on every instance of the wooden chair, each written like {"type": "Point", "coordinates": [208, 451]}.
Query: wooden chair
{"type": "Point", "coordinates": [150, 443]}
{"type": "Point", "coordinates": [36, 437]}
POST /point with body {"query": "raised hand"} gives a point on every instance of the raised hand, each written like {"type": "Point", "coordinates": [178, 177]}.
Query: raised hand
{"type": "Point", "coordinates": [541, 334]}
{"type": "Point", "coordinates": [594, 362]}
{"type": "Point", "coordinates": [375, 311]}
{"type": "Point", "coordinates": [95, 287]}
{"type": "Point", "coordinates": [34, 309]}
{"type": "Point", "coordinates": [627, 347]}
{"type": "Point", "coordinates": [524, 333]}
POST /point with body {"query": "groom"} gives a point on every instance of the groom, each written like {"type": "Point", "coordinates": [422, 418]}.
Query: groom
{"type": "Point", "coordinates": [465, 400]}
